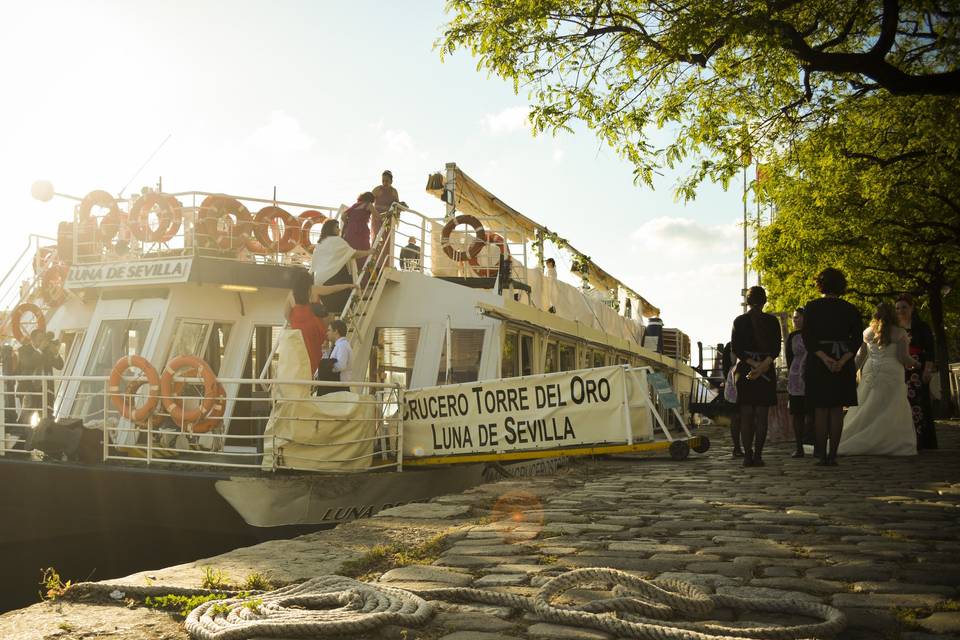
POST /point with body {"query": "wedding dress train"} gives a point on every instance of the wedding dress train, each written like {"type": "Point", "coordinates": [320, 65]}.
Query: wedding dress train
{"type": "Point", "coordinates": [882, 423]}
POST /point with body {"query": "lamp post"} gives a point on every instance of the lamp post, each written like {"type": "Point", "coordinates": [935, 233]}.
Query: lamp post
{"type": "Point", "coordinates": [42, 190]}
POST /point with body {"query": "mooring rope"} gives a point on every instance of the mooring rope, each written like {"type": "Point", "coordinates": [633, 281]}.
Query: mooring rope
{"type": "Point", "coordinates": [334, 605]}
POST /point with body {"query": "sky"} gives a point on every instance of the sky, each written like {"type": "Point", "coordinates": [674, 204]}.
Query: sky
{"type": "Point", "coordinates": [316, 99]}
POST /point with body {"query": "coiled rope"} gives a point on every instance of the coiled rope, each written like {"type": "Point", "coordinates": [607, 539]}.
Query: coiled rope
{"type": "Point", "coordinates": [334, 605]}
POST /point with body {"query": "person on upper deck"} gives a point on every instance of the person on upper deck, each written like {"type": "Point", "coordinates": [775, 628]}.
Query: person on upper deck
{"type": "Point", "coordinates": [384, 196]}
{"type": "Point", "coordinates": [331, 266]}
{"type": "Point", "coordinates": [356, 223]}
{"type": "Point", "coordinates": [410, 255]}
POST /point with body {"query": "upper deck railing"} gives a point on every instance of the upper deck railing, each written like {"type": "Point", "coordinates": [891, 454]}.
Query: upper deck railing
{"type": "Point", "coordinates": [269, 231]}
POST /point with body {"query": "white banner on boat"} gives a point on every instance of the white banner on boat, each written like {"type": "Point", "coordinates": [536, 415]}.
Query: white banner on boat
{"type": "Point", "coordinates": [125, 274]}
{"type": "Point", "coordinates": [517, 414]}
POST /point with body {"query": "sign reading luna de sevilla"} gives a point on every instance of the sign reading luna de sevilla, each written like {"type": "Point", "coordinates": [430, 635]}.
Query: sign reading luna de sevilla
{"type": "Point", "coordinates": [122, 274]}
{"type": "Point", "coordinates": [516, 414]}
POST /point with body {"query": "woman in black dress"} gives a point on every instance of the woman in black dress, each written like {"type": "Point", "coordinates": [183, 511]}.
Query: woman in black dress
{"type": "Point", "coordinates": [918, 380]}
{"type": "Point", "coordinates": [833, 334]}
{"type": "Point", "coordinates": [756, 339]}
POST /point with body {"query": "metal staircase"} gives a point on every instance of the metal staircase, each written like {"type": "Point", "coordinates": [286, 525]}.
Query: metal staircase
{"type": "Point", "coordinates": [21, 283]}
{"type": "Point", "coordinates": [358, 311]}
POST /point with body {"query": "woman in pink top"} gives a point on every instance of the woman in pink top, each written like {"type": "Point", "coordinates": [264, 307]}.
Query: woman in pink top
{"type": "Point", "coordinates": [356, 224]}
{"type": "Point", "coordinates": [800, 413]}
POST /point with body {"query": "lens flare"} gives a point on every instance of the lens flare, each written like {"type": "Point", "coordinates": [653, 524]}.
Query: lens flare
{"type": "Point", "coordinates": [516, 514]}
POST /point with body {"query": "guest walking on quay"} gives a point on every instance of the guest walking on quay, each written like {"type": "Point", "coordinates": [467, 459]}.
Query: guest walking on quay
{"type": "Point", "coordinates": [832, 334]}
{"type": "Point", "coordinates": [756, 340]}
{"type": "Point", "coordinates": [918, 380]}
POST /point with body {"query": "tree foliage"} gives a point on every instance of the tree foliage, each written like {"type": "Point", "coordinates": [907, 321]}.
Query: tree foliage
{"type": "Point", "coordinates": [876, 193]}
{"type": "Point", "coordinates": [732, 76]}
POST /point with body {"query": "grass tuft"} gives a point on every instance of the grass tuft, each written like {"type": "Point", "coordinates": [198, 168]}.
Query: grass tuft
{"type": "Point", "coordinates": [213, 579]}
{"type": "Point", "coordinates": [382, 557]}
{"type": "Point", "coordinates": [257, 581]}
{"type": "Point", "coordinates": [52, 585]}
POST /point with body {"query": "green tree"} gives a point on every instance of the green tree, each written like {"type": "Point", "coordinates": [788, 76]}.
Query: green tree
{"type": "Point", "coordinates": [730, 75]}
{"type": "Point", "coordinates": [877, 194]}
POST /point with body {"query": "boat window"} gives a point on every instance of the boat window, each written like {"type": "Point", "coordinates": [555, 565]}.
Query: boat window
{"type": "Point", "coordinates": [464, 361]}
{"type": "Point", "coordinates": [551, 361]}
{"type": "Point", "coordinates": [264, 341]}
{"type": "Point", "coordinates": [509, 358]}
{"type": "Point", "coordinates": [526, 354]}
{"type": "Point", "coordinates": [115, 339]}
{"type": "Point", "coordinates": [217, 345]}
{"type": "Point", "coordinates": [599, 359]}
{"type": "Point", "coordinates": [568, 357]}
{"type": "Point", "coordinates": [393, 354]}
{"type": "Point", "coordinates": [188, 337]}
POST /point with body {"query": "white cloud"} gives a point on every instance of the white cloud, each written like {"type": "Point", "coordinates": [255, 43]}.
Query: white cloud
{"type": "Point", "coordinates": [282, 134]}
{"type": "Point", "coordinates": [692, 271]}
{"type": "Point", "coordinates": [558, 155]}
{"type": "Point", "coordinates": [506, 121]}
{"type": "Point", "coordinates": [686, 235]}
{"type": "Point", "coordinates": [398, 141]}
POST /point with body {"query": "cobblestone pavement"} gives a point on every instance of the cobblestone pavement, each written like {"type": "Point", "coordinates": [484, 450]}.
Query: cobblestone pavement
{"type": "Point", "coordinates": [875, 537]}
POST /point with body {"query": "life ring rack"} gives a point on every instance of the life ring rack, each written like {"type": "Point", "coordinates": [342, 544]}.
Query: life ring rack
{"type": "Point", "coordinates": [213, 210]}
{"type": "Point", "coordinates": [170, 214]}
{"type": "Point", "coordinates": [498, 241]}
{"type": "Point", "coordinates": [16, 319]}
{"type": "Point", "coordinates": [168, 392]}
{"type": "Point", "coordinates": [475, 247]}
{"type": "Point", "coordinates": [119, 399]}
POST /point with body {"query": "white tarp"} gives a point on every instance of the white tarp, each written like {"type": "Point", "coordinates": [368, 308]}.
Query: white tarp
{"type": "Point", "coordinates": [572, 303]}
{"type": "Point", "coordinates": [331, 433]}
{"type": "Point", "coordinates": [517, 414]}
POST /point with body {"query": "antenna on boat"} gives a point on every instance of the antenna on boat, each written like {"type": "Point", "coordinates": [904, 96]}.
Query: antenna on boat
{"type": "Point", "coordinates": [143, 166]}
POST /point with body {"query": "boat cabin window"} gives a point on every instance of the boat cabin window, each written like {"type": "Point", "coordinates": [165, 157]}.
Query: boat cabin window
{"type": "Point", "coordinates": [516, 358]}
{"type": "Point", "coordinates": [203, 339]}
{"type": "Point", "coordinates": [70, 341]}
{"type": "Point", "coordinates": [393, 354]}
{"type": "Point", "coordinates": [115, 339]}
{"type": "Point", "coordinates": [509, 355]}
{"type": "Point", "coordinates": [550, 362]}
{"type": "Point", "coordinates": [599, 359]}
{"type": "Point", "coordinates": [252, 406]}
{"type": "Point", "coordinates": [568, 356]}
{"type": "Point", "coordinates": [464, 361]}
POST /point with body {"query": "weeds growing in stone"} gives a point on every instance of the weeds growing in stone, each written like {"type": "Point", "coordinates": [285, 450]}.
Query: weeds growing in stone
{"type": "Point", "coordinates": [383, 557]}
{"type": "Point", "coordinates": [52, 585]}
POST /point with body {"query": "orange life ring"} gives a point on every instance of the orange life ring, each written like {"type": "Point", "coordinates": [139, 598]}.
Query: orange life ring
{"type": "Point", "coordinates": [170, 401]}
{"type": "Point", "coordinates": [308, 219]}
{"type": "Point", "coordinates": [17, 317]}
{"type": "Point", "coordinates": [44, 258]}
{"type": "Point", "coordinates": [170, 214]}
{"type": "Point", "coordinates": [216, 414]}
{"type": "Point", "coordinates": [262, 222]}
{"type": "Point", "coordinates": [215, 210]}
{"type": "Point", "coordinates": [52, 283]}
{"type": "Point", "coordinates": [110, 225]}
{"type": "Point", "coordinates": [455, 254]}
{"type": "Point", "coordinates": [98, 199]}
{"type": "Point", "coordinates": [119, 400]}
{"type": "Point", "coordinates": [491, 272]}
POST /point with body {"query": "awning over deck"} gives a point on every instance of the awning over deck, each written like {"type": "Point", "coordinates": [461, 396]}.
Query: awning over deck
{"type": "Point", "coordinates": [470, 197]}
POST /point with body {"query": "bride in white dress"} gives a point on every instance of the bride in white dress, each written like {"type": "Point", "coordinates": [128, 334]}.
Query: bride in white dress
{"type": "Point", "coordinates": [882, 423]}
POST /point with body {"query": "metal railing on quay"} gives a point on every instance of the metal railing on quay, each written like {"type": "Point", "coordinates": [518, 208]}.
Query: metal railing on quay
{"type": "Point", "coordinates": [242, 431]}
